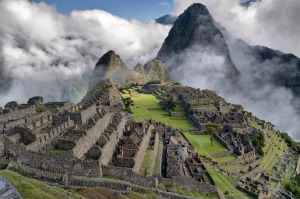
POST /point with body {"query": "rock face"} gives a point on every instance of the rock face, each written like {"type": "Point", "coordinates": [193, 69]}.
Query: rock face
{"type": "Point", "coordinates": [111, 66]}
{"type": "Point", "coordinates": [195, 30]}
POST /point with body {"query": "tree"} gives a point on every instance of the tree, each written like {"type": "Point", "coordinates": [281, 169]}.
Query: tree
{"type": "Point", "coordinates": [127, 103]}
{"type": "Point", "coordinates": [212, 128]}
{"type": "Point", "coordinates": [170, 105]}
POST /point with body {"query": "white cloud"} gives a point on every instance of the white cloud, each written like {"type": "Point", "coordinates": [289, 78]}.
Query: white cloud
{"type": "Point", "coordinates": [271, 23]}
{"type": "Point", "coordinates": [166, 4]}
{"type": "Point", "coordinates": [258, 24]}
{"type": "Point", "coordinates": [44, 52]}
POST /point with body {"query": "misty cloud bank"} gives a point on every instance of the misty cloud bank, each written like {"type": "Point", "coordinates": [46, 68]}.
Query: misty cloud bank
{"type": "Point", "coordinates": [272, 23]}
{"type": "Point", "coordinates": [52, 55]}
{"type": "Point", "coordinates": [255, 89]}
{"type": "Point", "coordinates": [49, 54]}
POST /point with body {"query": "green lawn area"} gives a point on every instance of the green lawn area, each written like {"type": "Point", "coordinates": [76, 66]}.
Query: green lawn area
{"type": "Point", "coordinates": [141, 113]}
{"type": "Point", "coordinates": [34, 189]}
{"type": "Point", "coordinates": [157, 165]}
{"type": "Point", "coordinates": [273, 147]}
{"type": "Point", "coordinates": [221, 160]}
{"type": "Point", "coordinates": [147, 161]}
{"type": "Point", "coordinates": [202, 144]}
{"type": "Point", "coordinates": [225, 185]}
{"type": "Point", "coordinates": [233, 167]}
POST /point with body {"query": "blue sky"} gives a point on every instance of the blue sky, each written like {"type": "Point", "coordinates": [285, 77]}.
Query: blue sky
{"type": "Point", "coordinates": [142, 10]}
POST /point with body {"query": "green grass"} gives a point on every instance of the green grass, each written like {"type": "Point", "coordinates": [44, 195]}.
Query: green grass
{"type": "Point", "coordinates": [202, 144]}
{"type": "Point", "coordinates": [145, 101]}
{"type": "Point", "coordinates": [224, 159]}
{"type": "Point", "coordinates": [147, 161]}
{"type": "Point", "coordinates": [34, 189]}
{"type": "Point", "coordinates": [273, 146]}
{"type": "Point", "coordinates": [157, 165]}
{"type": "Point", "coordinates": [224, 183]}
{"type": "Point", "coordinates": [233, 167]}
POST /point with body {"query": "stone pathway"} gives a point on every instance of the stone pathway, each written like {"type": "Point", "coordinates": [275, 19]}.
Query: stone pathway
{"type": "Point", "coordinates": [7, 191]}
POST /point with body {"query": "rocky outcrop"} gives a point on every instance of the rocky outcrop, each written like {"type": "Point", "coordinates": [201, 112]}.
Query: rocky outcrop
{"type": "Point", "coordinates": [35, 100]}
{"type": "Point", "coordinates": [156, 69]}
{"type": "Point", "coordinates": [195, 30]}
{"type": "Point", "coordinates": [111, 66]}
{"type": "Point", "coordinates": [139, 68]}
{"type": "Point", "coordinates": [104, 92]}
{"type": "Point", "coordinates": [12, 104]}
{"type": "Point", "coordinates": [27, 136]}
{"type": "Point", "coordinates": [152, 70]}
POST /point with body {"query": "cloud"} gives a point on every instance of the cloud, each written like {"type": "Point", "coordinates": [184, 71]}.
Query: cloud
{"type": "Point", "coordinates": [255, 89]}
{"type": "Point", "coordinates": [46, 53]}
{"type": "Point", "coordinates": [165, 4]}
{"type": "Point", "coordinates": [270, 23]}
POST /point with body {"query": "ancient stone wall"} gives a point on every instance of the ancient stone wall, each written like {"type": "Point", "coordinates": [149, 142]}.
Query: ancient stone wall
{"type": "Point", "coordinates": [62, 162]}
{"type": "Point", "coordinates": [155, 152]}
{"type": "Point", "coordinates": [189, 183]}
{"type": "Point", "coordinates": [128, 175]}
{"type": "Point", "coordinates": [42, 139]}
{"type": "Point", "coordinates": [109, 147]}
{"type": "Point", "coordinates": [82, 116]}
{"type": "Point", "coordinates": [222, 154]}
{"type": "Point", "coordinates": [225, 144]}
{"type": "Point", "coordinates": [17, 113]}
{"type": "Point", "coordinates": [91, 137]}
{"type": "Point", "coordinates": [142, 150]}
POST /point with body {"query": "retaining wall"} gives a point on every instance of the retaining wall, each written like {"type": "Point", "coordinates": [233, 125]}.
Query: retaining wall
{"type": "Point", "coordinates": [128, 175]}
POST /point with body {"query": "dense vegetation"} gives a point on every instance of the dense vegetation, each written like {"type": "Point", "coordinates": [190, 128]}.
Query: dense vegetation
{"type": "Point", "coordinates": [293, 185]}
{"type": "Point", "coordinates": [295, 146]}
{"type": "Point", "coordinates": [259, 143]}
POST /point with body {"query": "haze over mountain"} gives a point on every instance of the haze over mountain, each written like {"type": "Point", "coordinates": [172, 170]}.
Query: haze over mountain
{"type": "Point", "coordinates": [40, 48]}
{"type": "Point", "coordinates": [200, 52]}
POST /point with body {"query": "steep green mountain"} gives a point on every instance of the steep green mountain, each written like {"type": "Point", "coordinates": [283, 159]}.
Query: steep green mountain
{"type": "Point", "coordinates": [111, 66]}
{"type": "Point", "coordinates": [195, 30]}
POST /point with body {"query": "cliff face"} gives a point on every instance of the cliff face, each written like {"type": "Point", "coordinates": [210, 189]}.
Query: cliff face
{"type": "Point", "coordinates": [195, 30]}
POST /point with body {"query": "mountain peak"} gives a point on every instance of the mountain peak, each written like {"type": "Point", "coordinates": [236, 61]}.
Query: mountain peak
{"type": "Point", "coordinates": [197, 9]}
{"type": "Point", "coordinates": [111, 60]}
{"type": "Point", "coordinates": [110, 65]}
{"type": "Point", "coordinates": [194, 31]}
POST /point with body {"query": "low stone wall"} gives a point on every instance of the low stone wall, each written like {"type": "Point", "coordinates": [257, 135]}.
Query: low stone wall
{"type": "Point", "coordinates": [188, 183]}
{"type": "Point", "coordinates": [128, 175]}
{"type": "Point", "coordinates": [222, 154]}
{"type": "Point", "coordinates": [62, 162]}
